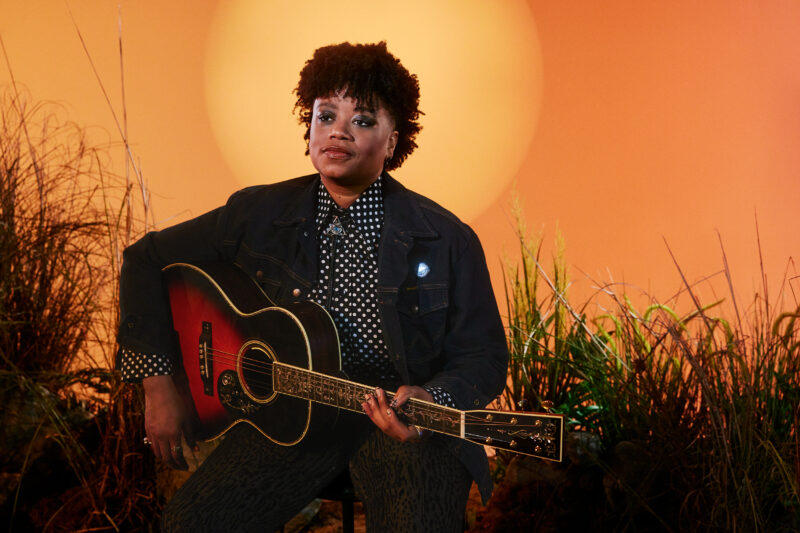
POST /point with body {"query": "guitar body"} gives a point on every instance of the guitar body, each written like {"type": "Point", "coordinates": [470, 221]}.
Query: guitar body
{"type": "Point", "coordinates": [230, 335]}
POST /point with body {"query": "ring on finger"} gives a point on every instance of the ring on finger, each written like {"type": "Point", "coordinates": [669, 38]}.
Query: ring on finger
{"type": "Point", "coordinates": [389, 412]}
{"type": "Point", "coordinates": [146, 441]}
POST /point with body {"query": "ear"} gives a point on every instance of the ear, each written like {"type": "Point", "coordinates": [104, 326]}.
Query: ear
{"type": "Point", "coordinates": [391, 143]}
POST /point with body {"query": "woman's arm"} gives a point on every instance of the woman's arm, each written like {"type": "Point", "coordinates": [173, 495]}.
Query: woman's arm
{"type": "Point", "coordinates": [474, 346]}
{"type": "Point", "coordinates": [146, 339]}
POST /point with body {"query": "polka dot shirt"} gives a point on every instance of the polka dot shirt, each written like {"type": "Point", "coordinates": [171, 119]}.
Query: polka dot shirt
{"type": "Point", "coordinates": [138, 365]}
{"type": "Point", "coordinates": [348, 274]}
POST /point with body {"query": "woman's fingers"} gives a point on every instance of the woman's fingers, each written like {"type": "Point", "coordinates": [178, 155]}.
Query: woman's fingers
{"type": "Point", "coordinates": [410, 391]}
{"type": "Point", "coordinates": [177, 460]}
{"type": "Point", "coordinates": [380, 411]}
{"type": "Point", "coordinates": [169, 450]}
{"type": "Point", "coordinates": [165, 420]}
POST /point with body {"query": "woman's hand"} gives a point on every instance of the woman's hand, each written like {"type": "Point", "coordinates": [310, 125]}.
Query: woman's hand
{"type": "Point", "coordinates": [165, 421]}
{"type": "Point", "coordinates": [384, 416]}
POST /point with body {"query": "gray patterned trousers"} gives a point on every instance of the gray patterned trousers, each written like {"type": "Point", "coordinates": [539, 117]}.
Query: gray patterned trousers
{"type": "Point", "coordinates": [249, 484]}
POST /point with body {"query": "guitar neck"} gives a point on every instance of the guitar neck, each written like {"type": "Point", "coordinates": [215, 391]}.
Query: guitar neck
{"type": "Point", "coordinates": [537, 434]}
{"type": "Point", "coordinates": [349, 395]}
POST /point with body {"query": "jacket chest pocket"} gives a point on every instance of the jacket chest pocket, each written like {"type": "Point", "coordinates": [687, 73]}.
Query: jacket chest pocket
{"type": "Point", "coordinates": [423, 317]}
{"type": "Point", "coordinates": [274, 278]}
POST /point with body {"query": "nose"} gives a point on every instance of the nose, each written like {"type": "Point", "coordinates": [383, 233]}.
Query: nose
{"type": "Point", "coordinates": [340, 129]}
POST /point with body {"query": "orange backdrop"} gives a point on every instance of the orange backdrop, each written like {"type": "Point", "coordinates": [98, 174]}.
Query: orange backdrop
{"type": "Point", "coordinates": [646, 121]}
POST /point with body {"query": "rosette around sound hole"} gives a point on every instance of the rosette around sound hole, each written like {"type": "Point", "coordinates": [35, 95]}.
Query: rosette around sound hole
{"type": "Point", "coordinates": [255, 370]}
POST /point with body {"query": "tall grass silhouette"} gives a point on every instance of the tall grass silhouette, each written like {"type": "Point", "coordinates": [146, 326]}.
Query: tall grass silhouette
{"type": "Point", "coordinates": [70, 432]}
{"type": "Point", "coordinates": [695, 415]}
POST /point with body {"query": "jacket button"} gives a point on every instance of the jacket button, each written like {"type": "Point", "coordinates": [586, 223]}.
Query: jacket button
{"type": "Point", "coordinates": [296, 293]}
{"type": "Point", "coordinates": [476, 402]}
{"type": "Point", "coordinates": [415, 309]}
{"type": "Point", "coordinates": [259, 274]}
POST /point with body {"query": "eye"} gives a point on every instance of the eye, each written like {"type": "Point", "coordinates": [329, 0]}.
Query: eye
{"type": "Point", "coordinates": [325, 116]}
{"type": "Point", "coordinates": [363, 121]}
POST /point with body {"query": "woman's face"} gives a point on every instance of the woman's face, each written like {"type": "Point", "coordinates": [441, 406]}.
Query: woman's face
{"type": "Point", "coordinates": [349, 144]}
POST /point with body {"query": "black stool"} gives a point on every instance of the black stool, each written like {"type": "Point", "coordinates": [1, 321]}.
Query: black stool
{"type": "Point", "coordinates": [341, 490]}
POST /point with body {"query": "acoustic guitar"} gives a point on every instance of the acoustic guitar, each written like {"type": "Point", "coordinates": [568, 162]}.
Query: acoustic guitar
{"type": "Point", "coordinates": [278, 368]}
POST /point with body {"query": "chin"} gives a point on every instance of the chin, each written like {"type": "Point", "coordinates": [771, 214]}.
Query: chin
{"type": "Point", "coordinates": [347, 179]}
{"type": "Point", "coordinates": [344, 177]}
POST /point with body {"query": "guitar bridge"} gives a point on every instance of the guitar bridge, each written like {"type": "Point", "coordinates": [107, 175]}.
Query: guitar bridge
{"type": "Point", "coordinates": [206, 361]}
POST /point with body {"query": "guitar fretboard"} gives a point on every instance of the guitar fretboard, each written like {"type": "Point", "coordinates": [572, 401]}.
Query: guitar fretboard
{"type": "Point", "coordinates": [344, 394]}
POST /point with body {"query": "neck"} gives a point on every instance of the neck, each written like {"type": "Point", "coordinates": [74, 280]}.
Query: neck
{"type": "Point", "coordinates": [344, 193]}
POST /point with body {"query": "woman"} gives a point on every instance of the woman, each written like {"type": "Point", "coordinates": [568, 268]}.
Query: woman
{"type": "Point", "coordinates": [404, 280]}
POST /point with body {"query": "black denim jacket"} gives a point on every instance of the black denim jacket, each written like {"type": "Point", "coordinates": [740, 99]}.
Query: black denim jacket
{"type": "Point", "coordinates": [437, 308]}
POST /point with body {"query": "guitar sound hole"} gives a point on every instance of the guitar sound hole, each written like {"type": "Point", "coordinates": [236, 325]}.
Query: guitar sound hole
{"type": "Point", "coordinates": [255, 369]}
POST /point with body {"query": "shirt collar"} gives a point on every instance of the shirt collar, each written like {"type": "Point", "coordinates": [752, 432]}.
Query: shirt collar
{"type": "Point", "coordinates": [368, 206]}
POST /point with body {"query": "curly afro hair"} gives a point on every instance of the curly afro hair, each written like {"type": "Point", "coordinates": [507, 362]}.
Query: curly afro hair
{"type": "Point", "coordinates": [369, 74]}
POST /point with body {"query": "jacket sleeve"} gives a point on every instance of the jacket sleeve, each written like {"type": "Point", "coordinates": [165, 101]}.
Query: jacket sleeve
{"type": "Point", "coordinates": [475, 349]}
{"type": "Point", "coordinates": [145, 321]}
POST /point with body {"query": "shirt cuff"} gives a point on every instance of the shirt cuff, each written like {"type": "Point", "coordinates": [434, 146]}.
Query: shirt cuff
{"type": "Point", "coordinates": [135, 366]}
{"type": "Point", "coordinates": [441, 396]}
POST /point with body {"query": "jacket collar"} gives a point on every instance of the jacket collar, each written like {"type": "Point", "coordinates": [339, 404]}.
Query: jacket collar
{"type": "Point", "coordinates": [402, 212]}
{"type": "Point", "coordinates": [301, 206]}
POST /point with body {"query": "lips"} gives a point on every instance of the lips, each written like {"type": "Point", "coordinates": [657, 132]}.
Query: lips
{"type": "Point", "coordinates": [336, 152]}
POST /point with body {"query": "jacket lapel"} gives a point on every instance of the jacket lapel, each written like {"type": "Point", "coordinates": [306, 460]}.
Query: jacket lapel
{"type": "Point", "coordinates": [403, 222]}
{"type": "Point", "coordinates": [298, 220]}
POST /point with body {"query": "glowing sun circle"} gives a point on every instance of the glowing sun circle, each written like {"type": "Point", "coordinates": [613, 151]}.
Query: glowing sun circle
{"type": "Point", "coordinates": [479, 69]}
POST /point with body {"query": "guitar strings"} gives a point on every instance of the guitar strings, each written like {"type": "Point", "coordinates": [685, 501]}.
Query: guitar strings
{"type": "Point", "coordinates": [264, 369]}
{"type": "Point", "coordinates": [351, 396]}
{"type": "Point", "coordinates": [255, 364]}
